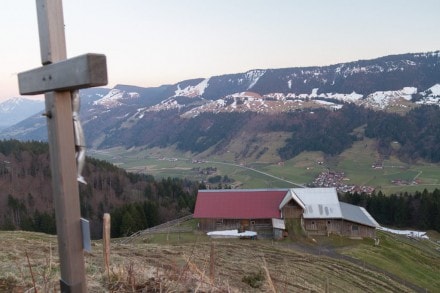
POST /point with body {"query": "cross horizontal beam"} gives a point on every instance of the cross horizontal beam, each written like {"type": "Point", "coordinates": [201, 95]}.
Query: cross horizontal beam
{"type": "Point", "coordinates": [83, 71]}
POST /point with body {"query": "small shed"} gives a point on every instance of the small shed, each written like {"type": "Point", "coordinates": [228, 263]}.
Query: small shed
{"type": "Point", "coordinates": [278, 228]}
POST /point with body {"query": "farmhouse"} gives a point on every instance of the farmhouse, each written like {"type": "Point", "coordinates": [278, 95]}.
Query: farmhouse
{"type": "Point", "coordinates": [318, 211]}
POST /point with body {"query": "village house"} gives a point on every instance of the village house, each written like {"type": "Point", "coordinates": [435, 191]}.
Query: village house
{"type": "Point", "coordinates": [266, 211]}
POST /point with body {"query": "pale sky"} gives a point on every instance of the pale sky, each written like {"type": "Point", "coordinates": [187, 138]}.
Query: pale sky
{"type": "Point", "coordinates": [155, 42]}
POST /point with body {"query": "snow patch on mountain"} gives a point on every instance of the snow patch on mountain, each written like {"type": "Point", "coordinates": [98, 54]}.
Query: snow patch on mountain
{"type": "Point", "coordinates": [133, 95]}
{"type": "Point", "coordinates": [192, 91]}
{"type": "Point", "coordinates": [434, 90]}
{"type": "Point", "coordinates": [111, 99]}
{"type": "Point", "coordinates": [383, 99]}
{"type": "Point", "coordinates": [428, 54]}
{"type": "Point", "coordinates": [11, 104]}
{"type": "Point", "coordinates": [329, 104]}
{"type": "Point", "coordinates": [280, 102]}
{"type": "Point", "coordinates": [253, 102]}
{"type": "Point", "coordinates": [431, 96]}
{"type": "Point", "coordinates": [18, 108]}
{"type": "Point", "coordinates": [165, 105]}
{"type": "Point", "coordinates": [350, 98]}
{"type": "Point", "coordinates": [346, 69]}
{"type": "Point", "coordinates": [353, 97]}
{"type": "Point", "coordinates": [114, 98]}
{"type": "Point", "coordinates": [250, 95]}
{"type": "Point", "coordinates": [253, 76]}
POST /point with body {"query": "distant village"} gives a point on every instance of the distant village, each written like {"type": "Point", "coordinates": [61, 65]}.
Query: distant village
{"type": "Point", "coordinates": [338, 180]}
{"type": "Point", "coordinates": [327, 178]}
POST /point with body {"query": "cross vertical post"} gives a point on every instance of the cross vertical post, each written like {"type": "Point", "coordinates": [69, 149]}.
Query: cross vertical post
{"type": "Point", "coordinates": [62, 152]}
{"type": "Point", "coordinates": [57, 79]}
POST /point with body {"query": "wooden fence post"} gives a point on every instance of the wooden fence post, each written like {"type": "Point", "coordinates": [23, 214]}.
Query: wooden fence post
{"type": "Point", "coordinates": [106, 242]}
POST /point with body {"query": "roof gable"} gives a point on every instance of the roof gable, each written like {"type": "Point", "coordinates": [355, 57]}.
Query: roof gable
{"type": "Point", "coordinates": [320, 203]}
{"type": "Point", "coordinates": [239, 204]}
{"type": "Point", "coordinates": [289, 196]}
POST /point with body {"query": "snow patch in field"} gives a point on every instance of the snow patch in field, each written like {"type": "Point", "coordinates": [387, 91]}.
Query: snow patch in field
{"type": "Point", "coordinates": [232, 233]}
{"type": "Point", "coordinates": [409, 233]}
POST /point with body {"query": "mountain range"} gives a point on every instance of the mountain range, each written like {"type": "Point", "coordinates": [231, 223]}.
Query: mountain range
{"type": "Point", "coordinates": [204, 114]}
{"type": "Point", "coordinates": [17, 109]}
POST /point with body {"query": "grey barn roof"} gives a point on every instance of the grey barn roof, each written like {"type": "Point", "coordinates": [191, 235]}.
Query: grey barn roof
{"type": "Point", "coordinates": [320, 203]}
{"type": "Point", "coordinates": [357, 214]}
{"type": "Point", "coordinates": [323, 203]}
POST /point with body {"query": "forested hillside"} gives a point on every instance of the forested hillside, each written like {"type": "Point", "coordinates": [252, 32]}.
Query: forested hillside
{"type": "Point", "coordinates": [411, 137]}
{"type": "Point", "coordinates": [26, 193]}
{"type": "Point", "coordinates": [416, 133]}
{"type": "Point", "coordinates": [420, 210]}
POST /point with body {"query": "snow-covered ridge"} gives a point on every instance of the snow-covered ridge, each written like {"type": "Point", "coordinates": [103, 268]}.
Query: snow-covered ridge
{"type": "Point", "coordinates": [192, 91]}
{"type": "Point", "coordinates": [249, 101]}
{"type": "Point", "coordinates": [431, 96]}
{"type": "Point", "coordinates": [428, 54]}
{"type": "Point", "coordinates": [10, 104]}
{"type": "Point", "coordinates": [14, 103]}
{"type": "Point", "coordinates": [383, 99]}
{"type": "Point", "coordinates": [281, 102]}
{"type": "Point", "coordinates": [115, 97]}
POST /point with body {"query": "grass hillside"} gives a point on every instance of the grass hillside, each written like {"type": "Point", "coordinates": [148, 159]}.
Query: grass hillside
{"type": "Point", "coordinates": [189, 261]}
{"type": "Point", "coordinates": [416, 261]}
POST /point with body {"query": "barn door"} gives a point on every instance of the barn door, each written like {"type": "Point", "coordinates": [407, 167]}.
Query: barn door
{"type": "Point", "coordinates": [244, 224]}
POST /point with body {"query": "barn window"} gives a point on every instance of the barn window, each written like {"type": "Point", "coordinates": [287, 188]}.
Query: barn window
{"type": "Point", "coordinates": [328, 222]}
{"type": "Point", "coordinates": [355, 228]}
{"type": "Point", "coordinates": [252, 222]}
{"type": "Point", "coordinates": [219, 221]}
{"type": "Point", "coordinates": [313, 222]}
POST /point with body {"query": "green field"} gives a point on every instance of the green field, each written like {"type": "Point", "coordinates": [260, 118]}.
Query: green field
{"type": "Point", "coordinates": [418, 261]}
{"type": "Point", "coordinates": [356, 163]}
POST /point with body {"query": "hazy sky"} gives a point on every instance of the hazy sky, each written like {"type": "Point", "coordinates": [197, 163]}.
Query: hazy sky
{"type": "Point", "coordinates": [150, 43]}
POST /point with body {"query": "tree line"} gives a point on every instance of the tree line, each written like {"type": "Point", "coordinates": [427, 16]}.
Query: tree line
{"type": "Point", "coordinates": [420, 210]}
{"type": "Point", "coordinates": [27, 204]}
{"type": "Point", "coordinates": [161, 201]}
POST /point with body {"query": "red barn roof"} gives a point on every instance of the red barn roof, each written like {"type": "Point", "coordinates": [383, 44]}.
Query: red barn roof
{"type": "Point", "coordinates": [239, 204]}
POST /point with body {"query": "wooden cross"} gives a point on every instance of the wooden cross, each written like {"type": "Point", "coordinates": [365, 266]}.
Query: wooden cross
{"type": "Point", "coordinates": [56, 79]}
